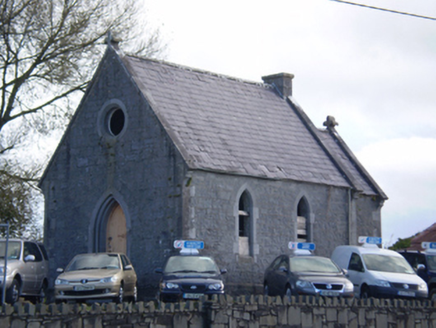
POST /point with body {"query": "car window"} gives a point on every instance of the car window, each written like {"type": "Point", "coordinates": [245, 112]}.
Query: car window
{"type": "Point", "coordinates": [386, 263]}
{"type": "Point", "coordinates": [355, 263]}
{"type": "Point", "coordinates": [125, 261]}
{"type": "Point", "coordinates": [283, 263]}
{"type": "Point", "coordinates": [93, 262]}
{"type": "Point", "coordinates": [276, 263]}
{"type": "Point", "coordinates": [312, 264]}
{"type": "Point", "coordinates": [32, 249]}
{"type": "Point", "coordinates": [14, 249]}
{"type": "Point", "coordinates": [431, 262]}
{"type": "Point", "coordinates": [199, 264]}
{"type": "Point", "coordinates": [43, 251]}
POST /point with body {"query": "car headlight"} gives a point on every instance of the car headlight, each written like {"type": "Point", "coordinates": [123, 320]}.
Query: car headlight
{"type": "Point", "coordinates": [108, 280]}
{"type": "Point", "coordinates": [170, 285]}
{"type": "Point", "coordinates": [61, 282]}
{"type": "Point", "coordinates": [382, 283]}
{"type": "Point", "coordinates": [422, 286]}
{"type": "Point", "coordinates": [349, 287]}
{"type": "Point", "coordinates": [216, 286]}
{"type": "Point", "coordinates": [303, 284]}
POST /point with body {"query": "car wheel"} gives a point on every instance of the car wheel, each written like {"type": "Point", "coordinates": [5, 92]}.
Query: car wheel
{"type": "Point", "coordinates": [120, 297]}
{"type": "Point", "coordinates": [42, 298]}
{"type": "Point", "coordinates": [365, 293]}
{"type": "Point", "coordinates": [13, 293]}
{"type": "Point", "coordinates": [266, 290]}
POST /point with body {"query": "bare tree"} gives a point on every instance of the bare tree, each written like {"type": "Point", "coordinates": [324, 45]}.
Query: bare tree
{"type": "Point", "coordinates": [48, 51]}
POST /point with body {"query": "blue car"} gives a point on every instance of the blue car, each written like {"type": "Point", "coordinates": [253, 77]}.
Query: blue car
{"type": "Point", "coordinates": [302, 273]}
{"type": "Point", "coordinates": [189, 276]}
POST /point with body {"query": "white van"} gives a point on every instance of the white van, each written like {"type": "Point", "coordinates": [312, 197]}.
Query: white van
{"type": "Point", "coordinates": [377, 272]}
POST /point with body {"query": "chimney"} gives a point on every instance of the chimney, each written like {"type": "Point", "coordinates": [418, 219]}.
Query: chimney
{"type": "Point", "coordinates": [282, 82]}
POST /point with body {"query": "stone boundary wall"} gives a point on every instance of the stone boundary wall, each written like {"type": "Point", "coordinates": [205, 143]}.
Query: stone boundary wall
{"type": "Point", "coordinates": [226, 312]}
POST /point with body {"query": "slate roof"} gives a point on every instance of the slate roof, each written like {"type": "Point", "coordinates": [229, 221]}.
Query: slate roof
{"type": "Point", "coordinates": [224, 124]}
{"type": "Point", "coordinates": [428, 234]}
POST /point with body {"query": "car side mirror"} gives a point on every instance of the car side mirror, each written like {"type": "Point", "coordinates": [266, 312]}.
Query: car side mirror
{"type": "Point", "coordinates": [344, 271]}
{"type": "Point", "coordinates": [223, 271]}
{"type": "Point", "coordinates": [158, 270]}
{"type": "Point", "coordinates": [283, 269]}
{"type": "Point", "coordinates": [29, 258]}
{"type": "Point", "coordinates": [128, 267]}
{"type": "Point", "coordinates": [420, 267]}
{"type": "Point", "coordinates": [59, 270]}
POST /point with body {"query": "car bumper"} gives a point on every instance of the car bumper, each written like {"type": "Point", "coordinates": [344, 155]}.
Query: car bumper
{"type": "Point", "coordinates": [175, 296]}
{"type": "Point", "coordinates": [93, 292]}
{"type": "Point", "coordinates": [384, 292]}
{"type": "Point", "coordinates": [326, 293]}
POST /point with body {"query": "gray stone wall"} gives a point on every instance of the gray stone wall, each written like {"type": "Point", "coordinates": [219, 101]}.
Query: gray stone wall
{"type": "Point", "coordinates": [226, 312]}
{"type": "Point", "coordinates": [140, 169]}
{"type": "Point", "coordinates": [212, 213]}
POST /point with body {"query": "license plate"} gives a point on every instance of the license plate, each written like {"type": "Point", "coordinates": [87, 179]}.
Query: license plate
{"type": "Point", "coordinates": [404, 293]}
{"type": "Point", "coordinates": [192, 295]}
{"type": "Point", "coordinates": [79, 288]}
{"type": "Point", "coordinates": [329, 293]}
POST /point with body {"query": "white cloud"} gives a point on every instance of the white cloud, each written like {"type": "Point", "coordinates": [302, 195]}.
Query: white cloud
{"type": "Point", "coordinates": [372, 70]}
{"type": "Point", "coordinates": [406, 170]}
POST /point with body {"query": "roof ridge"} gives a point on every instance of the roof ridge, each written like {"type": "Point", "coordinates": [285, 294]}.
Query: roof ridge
{"type": "Point", "coordinates": [201, 71]}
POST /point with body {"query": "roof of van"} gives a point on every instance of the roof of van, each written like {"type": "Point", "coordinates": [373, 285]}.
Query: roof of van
{"type": "Point", "coordinates": [369, 249]}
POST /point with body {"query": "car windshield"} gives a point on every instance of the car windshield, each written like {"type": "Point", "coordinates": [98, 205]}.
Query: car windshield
{"type": "Point", "coordinates": [190, 264]}
{"type": "Point", "coordinates": [93, 262]}
{"type": "Point", "coordinates": [313, 264]}
{"type": "Point", "coordinates": [14, 249]}
{"type": "Point", "coordinates": [386, 263]}
{"type": "Point", "coordinates": [431, 262]}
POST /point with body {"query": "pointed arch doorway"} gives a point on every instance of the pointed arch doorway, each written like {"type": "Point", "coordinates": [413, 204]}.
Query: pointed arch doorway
{"type": "Point", "coordinates": [110, 230]}
{"type": "Point", "coordinates": [116, 232]}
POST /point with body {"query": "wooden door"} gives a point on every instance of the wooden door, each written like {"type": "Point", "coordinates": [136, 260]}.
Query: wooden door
{"type": "Point", "coordinates": [116, 233]}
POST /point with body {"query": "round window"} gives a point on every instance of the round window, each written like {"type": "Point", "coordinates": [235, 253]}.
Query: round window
{"type": "Point", "coordinates": [116, 121]}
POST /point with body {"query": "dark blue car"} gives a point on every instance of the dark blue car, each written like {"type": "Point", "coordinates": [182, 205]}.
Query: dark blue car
{"type": "Point", "coordinates": [305, 274]}
{"type": "Point", "coordinates": [189, 277]}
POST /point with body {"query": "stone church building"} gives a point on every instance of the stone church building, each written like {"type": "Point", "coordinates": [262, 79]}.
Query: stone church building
{"type": "Point", "coordinates": [157, 152]}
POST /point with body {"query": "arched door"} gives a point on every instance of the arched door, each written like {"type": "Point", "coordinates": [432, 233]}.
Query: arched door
{"type": "Point", "coordinates": [116, 232]}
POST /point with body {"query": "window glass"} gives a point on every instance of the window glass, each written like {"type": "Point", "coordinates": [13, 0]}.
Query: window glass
{"type": "Point", "coordinates": [94, 261]}
{"type": "Point", "coordinates": [312, 264]}
{"type": "Point", "coordinates": [32, 249]}
{"type": "Point", "coordinates": [431, 262]}
{"type": "Point", "coordinates": [276, 263]}
{"type": "Point", "coordinates": [14, 249]}
{"type": "Point", "coordinates": [386, 263]}
{"type": "Point", "coordinates": [199, 264]}
{"type": "Point", "coordinates": [125, 261]}
{"type": "Point", "coordinates": [44, 251]}
{"type": "Point", "coordinates": [355, 263]}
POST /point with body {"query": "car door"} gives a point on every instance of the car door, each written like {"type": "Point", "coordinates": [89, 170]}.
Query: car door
{"type": "Point", "coordinates": [129, 275]}
{"type": "Point", "coordinates": [40, 267]}
{"type": "Point", "coordinates": [356, 272]}
{"type": "Point", "coordinates": [283, 272]}
{"type": "Point", "coordinates": [278, 276]}
{"type": "Point", "coordinates": [28, 272]}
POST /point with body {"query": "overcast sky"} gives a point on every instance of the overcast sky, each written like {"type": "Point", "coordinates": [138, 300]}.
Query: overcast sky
{"type": "Point", "coordinates": [374, 71]}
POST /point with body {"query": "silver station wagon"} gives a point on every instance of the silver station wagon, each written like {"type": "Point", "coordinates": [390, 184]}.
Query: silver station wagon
{"type": "Point", "coordinates": [27, 269]}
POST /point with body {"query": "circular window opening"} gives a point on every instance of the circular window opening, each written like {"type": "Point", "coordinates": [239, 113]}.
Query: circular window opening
{"type": "Point", "coordinates": [116, 121]}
